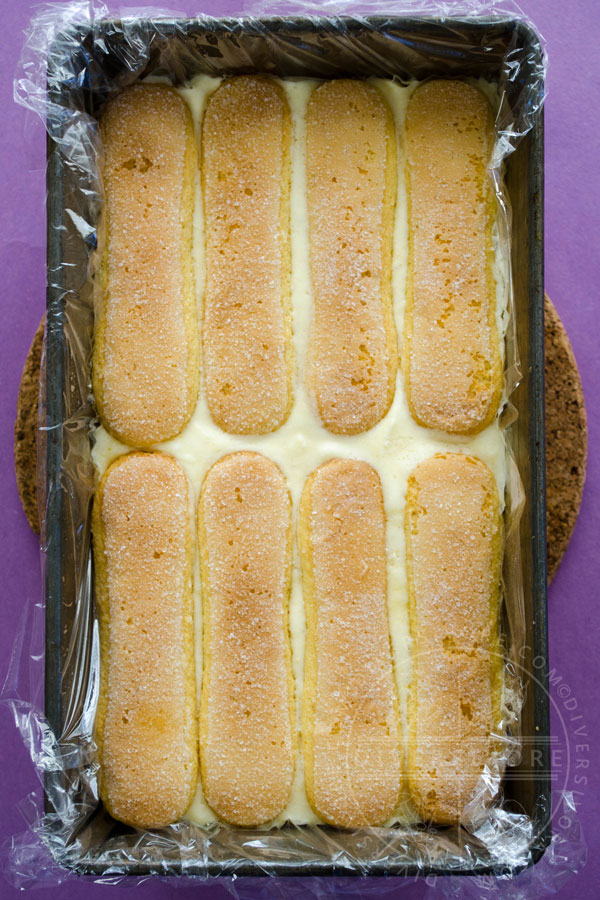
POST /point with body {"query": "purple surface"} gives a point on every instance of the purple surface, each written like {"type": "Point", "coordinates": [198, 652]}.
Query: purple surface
{"type": "Point", "coordinates": [572, 277]}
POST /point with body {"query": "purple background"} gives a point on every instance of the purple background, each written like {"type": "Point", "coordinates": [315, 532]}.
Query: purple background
{"type": "Point", "coordinates": [572, 276]}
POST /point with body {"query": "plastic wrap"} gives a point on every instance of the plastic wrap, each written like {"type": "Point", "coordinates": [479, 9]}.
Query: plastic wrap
{"type": "Point", "coordinates": [75, 58]}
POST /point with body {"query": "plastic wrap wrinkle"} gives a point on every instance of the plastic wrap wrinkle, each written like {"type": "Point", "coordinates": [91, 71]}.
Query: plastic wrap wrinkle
{"type": "Point", "coordinates": [90, 57]}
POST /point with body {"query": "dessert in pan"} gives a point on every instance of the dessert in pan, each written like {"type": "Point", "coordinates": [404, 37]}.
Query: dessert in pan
{"type": "Point", "coordinates": [298, 528]}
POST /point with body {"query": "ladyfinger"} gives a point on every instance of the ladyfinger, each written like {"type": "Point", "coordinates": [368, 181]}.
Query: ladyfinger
{"type": "Point", "coordinates": [247, 719]}
{"type": "Point", "coordinates": [247, 327]}
{"type": "Point", "coordinates": [351, 193]}
{"type": "Point", "coordinates": [350, 724]}
{"type": "Point", "coordinates": [145, 727]}
{"type": "Point", "coordinates": [451, 354]}
{"type": "Point", "coordinates": [146, 344]}
{"type": "Point", "coordinates": [454, 555]}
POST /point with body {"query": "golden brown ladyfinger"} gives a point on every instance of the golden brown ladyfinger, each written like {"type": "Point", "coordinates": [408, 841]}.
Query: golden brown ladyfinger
{"type": "Point", "coordinates": [351, 193]}
{"type": "Point", "coordinates": [145, 727]}
{"type": "Point", "coordinates": [247, 327]}
{"type": "Point", "coordinates": [451, 352]}
{"type": "Point", "coordinates": [146, 344]}
{"type": "Point", "coordinates": [247, 718]}
{"type": "Point", "coordinates": [350, 724]}
{"type": "Point", "coordinates": [454, 555]}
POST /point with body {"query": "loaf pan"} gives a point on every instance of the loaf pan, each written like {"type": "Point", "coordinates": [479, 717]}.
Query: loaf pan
{"type": "Point", "coordinates": [98, 62]}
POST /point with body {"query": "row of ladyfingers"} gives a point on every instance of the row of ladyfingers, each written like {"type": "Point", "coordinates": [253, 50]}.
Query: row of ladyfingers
{"type": "Point", "coordinates": [355, 767]}
{"type": "Point", "coordinates": [148, 342]}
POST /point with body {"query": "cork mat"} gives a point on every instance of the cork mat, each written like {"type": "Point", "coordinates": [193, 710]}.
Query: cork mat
{"type": "Point", "coordinates": [26, 430]}
{"type": "Point", "coordinates": [566, 436]}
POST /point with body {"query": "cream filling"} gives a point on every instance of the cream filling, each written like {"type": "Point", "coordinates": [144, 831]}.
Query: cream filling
{"type": "Point", "coordinates": [393, 447]}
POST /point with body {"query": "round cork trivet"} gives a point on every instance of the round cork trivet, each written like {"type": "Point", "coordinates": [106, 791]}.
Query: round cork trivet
{"type": "Point", "coordinates": [566, 436]}
{"type": "Point", "coordinates": [26, 430]}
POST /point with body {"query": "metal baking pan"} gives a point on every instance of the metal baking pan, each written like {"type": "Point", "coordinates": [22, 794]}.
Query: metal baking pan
{"type": "Point", "coordinates": [404, 47]}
